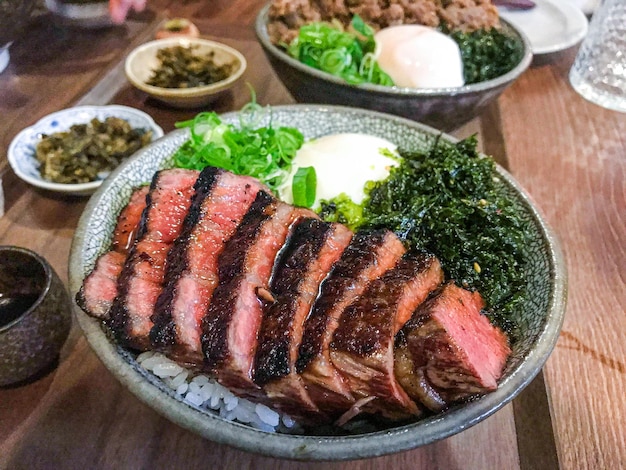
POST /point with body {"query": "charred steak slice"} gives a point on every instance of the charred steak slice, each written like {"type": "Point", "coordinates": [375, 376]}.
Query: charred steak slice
{"type": "Point", "coordinates": [128, 221]}
{"type": "Point", "coordinates": [362, 346]}
{"type": "Point", "coordinates": [100, 287]}
{"type": "Point", "coordinates": [311, 250]}
{"type": "Point", "coordinates": [220, 201]}
{"type": "Point", "coordinates": [367, 257]}
{"type": "Point", "coordinates": [141, 279]}
{"type": "Point", "coordinates": [231, 324]}
{"type": "Point", "coordinates": [448, 351]}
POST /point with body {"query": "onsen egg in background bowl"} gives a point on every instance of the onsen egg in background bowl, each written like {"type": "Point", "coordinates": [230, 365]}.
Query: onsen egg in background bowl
{"type": "Point", "coordinates": [446, 106]}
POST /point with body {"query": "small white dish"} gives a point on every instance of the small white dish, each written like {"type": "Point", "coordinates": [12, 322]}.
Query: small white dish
{"type": "Point", "coordinates": [551, 26]}
{"type": "Point", "coordinates": [143, 60]}
{"type": "Point", "coordinates": [21, 152]}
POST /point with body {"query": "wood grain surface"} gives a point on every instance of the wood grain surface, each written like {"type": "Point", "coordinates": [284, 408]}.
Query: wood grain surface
{"type": "Point", "coordinates": [568, 153]}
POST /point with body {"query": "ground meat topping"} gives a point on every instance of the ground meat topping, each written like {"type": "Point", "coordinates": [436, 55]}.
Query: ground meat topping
{"type": "Point", "coordinates": [287, 16]}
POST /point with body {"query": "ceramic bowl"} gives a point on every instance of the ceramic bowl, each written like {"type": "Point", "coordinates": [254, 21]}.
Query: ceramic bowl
{"type": "Point", "coordinates": [21, 152]}
{"type": "Point", "coordinates": [35, 314]}
{"type": "Point", "coordinates": [442, 108]}
{"type": "Point", "coordinates": [540, 318]}
{"type": "Point", "coordinates": [92, 14]}
{"type": "Point", "coordinates": [143, 60]}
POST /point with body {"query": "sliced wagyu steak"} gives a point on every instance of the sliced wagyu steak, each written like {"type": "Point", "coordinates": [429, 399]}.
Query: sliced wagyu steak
{"type": "Point", "coordinates": [448, 351]}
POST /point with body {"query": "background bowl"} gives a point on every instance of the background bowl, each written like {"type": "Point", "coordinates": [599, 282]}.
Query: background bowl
{"type": "Point", "coordinates": [88, 14]}
{"type": "Point", "coordinates": [143, 60]}
{"type": "Point", "coordinates": [442, 108]}
{"type": "Point", "coordinates": [540, 319]}
{"type": "Point", "coordinates": [21, 152]}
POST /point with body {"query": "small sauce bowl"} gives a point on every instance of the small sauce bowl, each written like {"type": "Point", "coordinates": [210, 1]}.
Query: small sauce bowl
{"type": "Point", "coordinates": [35, 314]}
{"type": "Point", "coordinates": [142, 61]}
{"type": "Point", "coordinates": [177, 27]}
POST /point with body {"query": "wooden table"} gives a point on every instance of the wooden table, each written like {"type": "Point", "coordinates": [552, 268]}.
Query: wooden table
{"type": "Point", "coordinates": [568, 153]}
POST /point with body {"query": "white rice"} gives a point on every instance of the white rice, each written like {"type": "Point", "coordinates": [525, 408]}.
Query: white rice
{"type": "Point", "coordinates": [203, 392]}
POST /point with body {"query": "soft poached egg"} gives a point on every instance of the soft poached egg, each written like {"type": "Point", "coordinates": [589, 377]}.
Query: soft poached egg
{"type": "Point", "coordinates": [343, 164]}
{"type": "Point", "coordinates": [419, 57]}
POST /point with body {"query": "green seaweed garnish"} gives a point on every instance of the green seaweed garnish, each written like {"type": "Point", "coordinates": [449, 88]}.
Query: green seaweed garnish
{"type": "Point", "coordinates": [447, 201]}
{"type": "Point", "coordinates": [487, 54]}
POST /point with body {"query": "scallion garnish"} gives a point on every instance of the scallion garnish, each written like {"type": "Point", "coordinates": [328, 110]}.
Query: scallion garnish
{"type": "Point", "coordinates": [304, 186]}
{"type": "Point", "coordinates": [264, 152]}
{"type": "Point", "coordinates": [346, 54]}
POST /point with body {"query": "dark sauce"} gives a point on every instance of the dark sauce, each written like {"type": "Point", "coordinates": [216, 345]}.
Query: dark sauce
{"type": "Point", "coordinates": [13, 306]}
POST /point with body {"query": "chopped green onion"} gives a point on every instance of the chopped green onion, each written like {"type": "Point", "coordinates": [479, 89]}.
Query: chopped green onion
{"type": "Point", "coordinates": [304, 186]}
{"type": "Point", "coordinates": [345, 54]}
{"type": "Point", "coordinates": [264, 152]}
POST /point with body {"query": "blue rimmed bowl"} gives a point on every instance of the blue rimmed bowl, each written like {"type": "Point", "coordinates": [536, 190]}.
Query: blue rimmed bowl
{"type": "Point", "coordinates": [21, 152]}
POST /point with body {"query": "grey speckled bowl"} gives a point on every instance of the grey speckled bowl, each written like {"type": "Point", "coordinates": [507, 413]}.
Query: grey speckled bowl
{"type": "Point", "coordinates": [442, 108]}
{"type": "Point", "coordinates": [541, 317]}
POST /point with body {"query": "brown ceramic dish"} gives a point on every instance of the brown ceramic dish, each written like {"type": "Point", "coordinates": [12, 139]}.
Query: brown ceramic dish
{"type": "Point", "coordinates": [35, 314]}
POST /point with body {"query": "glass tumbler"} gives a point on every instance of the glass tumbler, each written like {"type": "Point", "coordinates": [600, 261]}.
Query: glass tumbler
{"type": "Point", "coordinates": [599, 71]}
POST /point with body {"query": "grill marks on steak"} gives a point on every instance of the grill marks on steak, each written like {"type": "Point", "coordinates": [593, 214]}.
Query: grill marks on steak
{"type": "Point", "coordinates": [141, 279]}
{"type": "Point", "coordinates": [448, 351]}
{"type": "Point", "coordinates": [231, 325]}
{"type": "Point", "coordinates": [285, 309]}
{"type": "Point", "coordinates": [220, 201]}
{"type": "Point", "coordinates": [363, 344]}
{"type": "Point", "coordinates": [99, 288]}
{"type": "Point", "coordinates": [312, 249]}
{"type": "Point", "coordinates": [128, 221]}
{"type": "Point", "coordinates": [367, 257]}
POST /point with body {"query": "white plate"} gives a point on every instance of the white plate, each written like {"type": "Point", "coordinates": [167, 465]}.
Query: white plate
{"type": "Point", "coordinates": [552, 26]}
{"type": "Point", "coordinates": [21, 152]}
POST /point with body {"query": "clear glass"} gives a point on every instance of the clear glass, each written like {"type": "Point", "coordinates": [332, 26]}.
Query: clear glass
{"type": "Point", "coordinates": [599, 71]}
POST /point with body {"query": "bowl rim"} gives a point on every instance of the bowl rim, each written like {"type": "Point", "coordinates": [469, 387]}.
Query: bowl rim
{"type": "Point", "coordinates": [260, 26]}
{"type": "Point", "coordinates": [73, 188]}
{"type": "Point", "coordinates": [182, 93]}
{"type": "Point", "coordinates": [327, 448]}
{"type": "Point", "coordinates": [47, 270]}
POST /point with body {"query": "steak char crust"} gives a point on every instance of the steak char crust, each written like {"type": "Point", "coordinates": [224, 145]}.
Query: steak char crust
{"type": "Point", "coordinates": [140, 281]}
{"type": "Point", "coordinates": [362, 346]}
{"type": "Point", "coordinates": [220, 201]}
{"type": "Point", "coordinates": [312, 249]}
{"type": "Point", "coordinates": [231, 325]}
{"type": "Point", "coordinates": [368, 256]}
